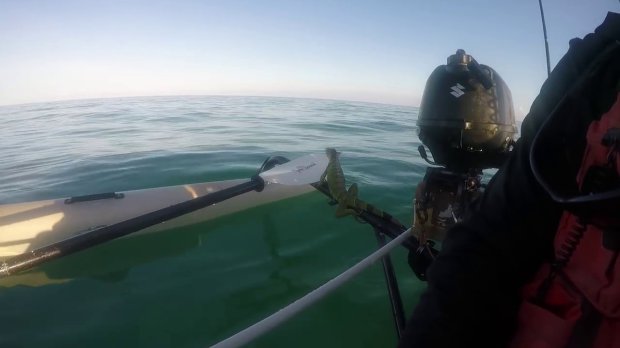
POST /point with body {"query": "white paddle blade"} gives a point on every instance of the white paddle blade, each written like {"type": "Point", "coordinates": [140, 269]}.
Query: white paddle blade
{"type": "Point", "coordinates": [304, 170]}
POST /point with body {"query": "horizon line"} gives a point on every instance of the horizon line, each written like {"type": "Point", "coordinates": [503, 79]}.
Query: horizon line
{"type": "Point", "coordinates": [203, 95]}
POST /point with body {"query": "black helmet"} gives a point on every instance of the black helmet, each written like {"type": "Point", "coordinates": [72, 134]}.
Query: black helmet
{"type": "Point", "coordinates": [466, 117]}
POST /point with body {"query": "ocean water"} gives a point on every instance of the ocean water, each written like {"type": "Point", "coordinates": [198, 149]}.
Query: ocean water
{"type": "Point", "coordinates": [194, 286]}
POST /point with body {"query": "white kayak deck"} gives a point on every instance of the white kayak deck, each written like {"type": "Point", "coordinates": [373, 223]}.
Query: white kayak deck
{"type": "Point", "coordinates": [28, 226]}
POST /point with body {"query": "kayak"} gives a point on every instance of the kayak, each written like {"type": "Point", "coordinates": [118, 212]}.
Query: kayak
{"type": "Point", "coordinates": [28, 226]}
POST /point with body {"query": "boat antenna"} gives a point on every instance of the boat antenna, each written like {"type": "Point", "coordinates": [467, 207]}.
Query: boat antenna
{"type": "Point", "coordinates": [542, 16]}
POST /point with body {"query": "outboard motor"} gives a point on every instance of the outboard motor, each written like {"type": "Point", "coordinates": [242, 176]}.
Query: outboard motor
{"type": "Point", "coordinates": [466, 117]}
{"type": "Point", "coordinates": [467, 121]}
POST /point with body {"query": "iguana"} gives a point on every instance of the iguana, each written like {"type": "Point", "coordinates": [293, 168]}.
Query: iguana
{"type": "Point", "coordinates": [334, 177]}
{"type": "Point", "coordinates": [347, 200]}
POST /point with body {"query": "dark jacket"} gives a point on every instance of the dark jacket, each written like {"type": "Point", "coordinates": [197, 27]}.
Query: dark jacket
{"type": "Point", "coordinates": [473, 286]}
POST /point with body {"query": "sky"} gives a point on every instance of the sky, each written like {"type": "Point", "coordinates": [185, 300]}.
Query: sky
{"type": "Point", "coordinates": [376, 51]}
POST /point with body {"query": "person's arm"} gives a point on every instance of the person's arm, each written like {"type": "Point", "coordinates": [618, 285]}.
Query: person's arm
{"type": "Point", "coordinates": [473, 286]}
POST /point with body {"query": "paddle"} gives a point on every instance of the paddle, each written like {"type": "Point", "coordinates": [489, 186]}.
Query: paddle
{"type": "Point", "coordinates": [301, 171]}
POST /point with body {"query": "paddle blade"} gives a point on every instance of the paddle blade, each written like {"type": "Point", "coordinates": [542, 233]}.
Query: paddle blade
{"type": "Point", "coordinates": [304, 170]}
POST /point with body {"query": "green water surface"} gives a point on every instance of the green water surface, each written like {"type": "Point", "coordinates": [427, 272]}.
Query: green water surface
{"type": "Point", "coordinates": [194, 286]}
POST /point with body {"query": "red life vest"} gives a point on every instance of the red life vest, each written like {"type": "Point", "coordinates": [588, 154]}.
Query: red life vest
{"type": "Point", "coordinates": [575, 300]}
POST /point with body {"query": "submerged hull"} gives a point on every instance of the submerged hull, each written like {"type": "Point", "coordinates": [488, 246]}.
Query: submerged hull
{"type": "Point", "coordinates": [28, 226]}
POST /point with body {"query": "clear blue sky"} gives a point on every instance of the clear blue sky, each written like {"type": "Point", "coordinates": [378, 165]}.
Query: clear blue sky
{"type": "Point", "coordinates": [379, 51]}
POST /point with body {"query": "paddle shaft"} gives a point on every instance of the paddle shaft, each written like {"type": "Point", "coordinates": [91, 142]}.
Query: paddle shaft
{"type": "Point", "coordinates": [89, 239]}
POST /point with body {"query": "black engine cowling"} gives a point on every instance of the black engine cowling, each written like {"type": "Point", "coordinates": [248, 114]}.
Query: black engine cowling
{"type": "Point", "coordinates": [466, 117]}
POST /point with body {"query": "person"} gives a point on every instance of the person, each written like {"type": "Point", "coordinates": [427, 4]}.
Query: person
{"type": "Point", "coordinates": [536, 264]}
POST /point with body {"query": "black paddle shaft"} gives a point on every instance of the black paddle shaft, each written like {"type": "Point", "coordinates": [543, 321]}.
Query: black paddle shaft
{"type": "Point", "coordinates": [104, 234]}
